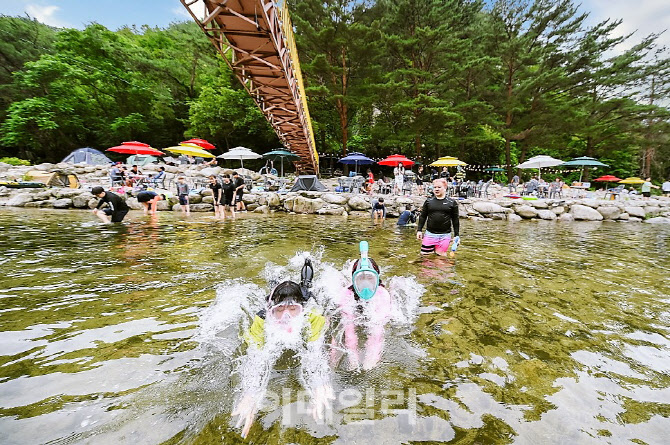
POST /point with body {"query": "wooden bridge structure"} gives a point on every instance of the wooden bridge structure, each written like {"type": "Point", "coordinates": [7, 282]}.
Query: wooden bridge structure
{"type": "Point", "coordinates": [255, 38]}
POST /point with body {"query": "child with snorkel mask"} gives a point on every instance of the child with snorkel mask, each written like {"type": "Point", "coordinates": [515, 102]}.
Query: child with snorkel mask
{"type": "Point", "coordinates": [290, 321]}
{"type": "Point", "coordinates": [367, 304]}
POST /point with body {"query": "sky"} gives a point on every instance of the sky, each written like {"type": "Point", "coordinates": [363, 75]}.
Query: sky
{"type": "Point", "coordinates": [642, 16]}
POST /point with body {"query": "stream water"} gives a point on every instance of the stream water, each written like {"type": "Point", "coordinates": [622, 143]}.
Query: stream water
{"type": "Point", "coordinates": [538, 332]}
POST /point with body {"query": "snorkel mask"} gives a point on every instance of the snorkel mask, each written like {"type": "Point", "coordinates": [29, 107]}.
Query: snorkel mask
{"type": "Point", "coordinates": [365, 278]}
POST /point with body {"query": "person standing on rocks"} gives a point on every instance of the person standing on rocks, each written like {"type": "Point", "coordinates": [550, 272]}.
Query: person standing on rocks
{"type": "Point", "coordinates": [666, 188]}
{"type": "Point", "coordinates": [646, 188]}
{"type": "Point", "coordinates": [117, 207]}
{"type": "Point", "coordinates": [440, 216]}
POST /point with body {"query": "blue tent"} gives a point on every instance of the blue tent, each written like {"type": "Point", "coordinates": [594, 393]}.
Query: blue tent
{"type": "Point", "coordinates": [87, 155]}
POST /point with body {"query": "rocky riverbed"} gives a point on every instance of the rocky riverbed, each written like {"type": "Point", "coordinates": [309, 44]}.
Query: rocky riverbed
{"type": "Point", "coordinates": [329, 203]}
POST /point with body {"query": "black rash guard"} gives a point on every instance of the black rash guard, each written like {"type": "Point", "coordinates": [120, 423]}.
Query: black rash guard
{"type": "Point", "coordinates": [441, 214]}
{"type": "Point", "coordinates": [116, 203]}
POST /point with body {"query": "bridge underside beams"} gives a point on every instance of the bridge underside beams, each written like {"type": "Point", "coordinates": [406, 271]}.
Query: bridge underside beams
{"type": "Point", "coordinates": [252, 37]}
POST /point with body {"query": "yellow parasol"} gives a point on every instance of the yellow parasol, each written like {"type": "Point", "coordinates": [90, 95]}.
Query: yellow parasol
{"type": "Point", "coordinates": [632, 180]}
{"type": "Point", "coordinates": [190, 150]}
{"type": "Point", "coordinates": [447, 161]}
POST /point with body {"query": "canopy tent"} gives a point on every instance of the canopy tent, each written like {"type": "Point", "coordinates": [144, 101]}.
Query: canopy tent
{"type": "Point", "coordinates": [394, 160]}
{"type": "Point", "coordinates": [281, 154]}
{"type": "Point", "coordinates": [583, 161]}
{"type": "Point", "coordinates": [54, 179]}
{"type": "Point", "coordinates": [356, 159]}
{"type": "Point", "coordinates": [308, 182]}
{"type": "Point", "coordinates": [540, 162]}
{"type": "Point", "coordinates": [447, 161]}
{"type": "Point", "coordinates": [87, 155]}
{"type": "Point", "coordinates": [142, 160]}
{"type": "Point", "coordinates": [240, 154]}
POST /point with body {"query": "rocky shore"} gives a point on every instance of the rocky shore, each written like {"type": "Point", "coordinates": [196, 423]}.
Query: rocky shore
{"type": "Point", "coordinates": [337, 204]}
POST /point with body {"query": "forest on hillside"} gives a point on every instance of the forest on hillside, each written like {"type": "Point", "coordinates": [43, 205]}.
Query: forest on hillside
{"type": "Point", "coordinates": [492, 84]}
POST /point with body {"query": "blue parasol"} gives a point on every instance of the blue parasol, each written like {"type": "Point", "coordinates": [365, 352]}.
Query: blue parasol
{"type": "Point", "coordinates": [356, 159]}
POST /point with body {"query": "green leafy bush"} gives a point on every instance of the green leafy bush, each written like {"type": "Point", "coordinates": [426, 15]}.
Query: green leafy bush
{"type": "Point", "coordinates": [14, 161]}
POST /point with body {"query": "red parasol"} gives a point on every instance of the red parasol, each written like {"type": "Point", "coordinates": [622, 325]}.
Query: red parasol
{"type": "Point", "coordinates": [200, 143]}
{"type": "Point", "coordinates": [394, 160]}
{"type": "Point", "coordinates": [607, 178]}
{"type": "Point", "coordinates": [136, 148]}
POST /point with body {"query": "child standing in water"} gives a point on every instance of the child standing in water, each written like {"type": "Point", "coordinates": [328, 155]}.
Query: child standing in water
{"type": "Point", "coordinates": [365, 304]}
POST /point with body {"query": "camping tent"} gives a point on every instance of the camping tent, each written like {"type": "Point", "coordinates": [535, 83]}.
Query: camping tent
{"type": "Point", "coordinates": [54, 179]}
{"type": "Point", "coordinates": [309, 183]}
{"type": "Point", "coordinates": [142, 160]}
{"type": "Point", "coordinates": [87, 155]}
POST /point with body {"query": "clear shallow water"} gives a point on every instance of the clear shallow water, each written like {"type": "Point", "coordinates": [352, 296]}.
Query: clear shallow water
{"type": "Point", "coordinates": [540, 332]}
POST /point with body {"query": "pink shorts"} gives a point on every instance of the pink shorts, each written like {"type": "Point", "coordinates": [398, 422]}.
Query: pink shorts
{"type": "Point", "coordinates": [435, 242]}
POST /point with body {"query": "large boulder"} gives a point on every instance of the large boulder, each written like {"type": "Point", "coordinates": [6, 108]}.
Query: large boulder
{"type": "Point", "coordinates": [332, 198]}
{"type": "Point", "coordinates": [624, 217]}
{"type": "Point", "coordinates": [546, 214]}
{"type": "Point", "coordinates": [539, 204]}
{"type": "Point", "coordinates": [201, 207]}
{"type": "Point", "coordinates": [20, 200]}
{"type": "Point", "coordinates": [331, 209]}
{"type": "Point", "coordinates": [652, 210]}
{"type": "Point", "coordinates": [250, 198]}
{"type": "Point", "coordinates": [526, 212]}
{"type": "Point", "coordinates": [43, 195]}
{"type": "Point", "coordinates": [273, 200]}
{"type": "Point", "coordinates": [60, 193]}
{"type": "Point", "coordinates": [262, 209]}
{"type": "Point", "coordinates": [358, 202]}
{"type": "Point", "coordinates": [513, 217]}
{"type": "Point", "coordinates": [558, 210]}
{"type": "Point", "coordinates": [485, 207]}
{"type": "Point", "coordinates": [635, 211]}
{"type": "Point", "coordinates": [658, 220]}
{"type": "Point", "coordinates": [566, 217]}
{"type": "Point", "coordinates": [585, 213]}
{"type": "Point", "coordinates": [81, 201]}
{"type": "Point", "coordinates": [609, 212]}
{"type": "Point", "coordinates": [63, 203]}
{"type": "Point", "coordinates": [134, 204]}
{"type": "Point", "coordinates": [164, 205]}
{"type": "Point", "coordinates": [306, 205]}
{"type": "Point", "coordinates": [196, 198]}
{"type": "Point", "coordinates": [208, 199]}
{"type": "Point", "coordinates": [593, 203]}
{"type": "Point", "coordinates": [4, 191]}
